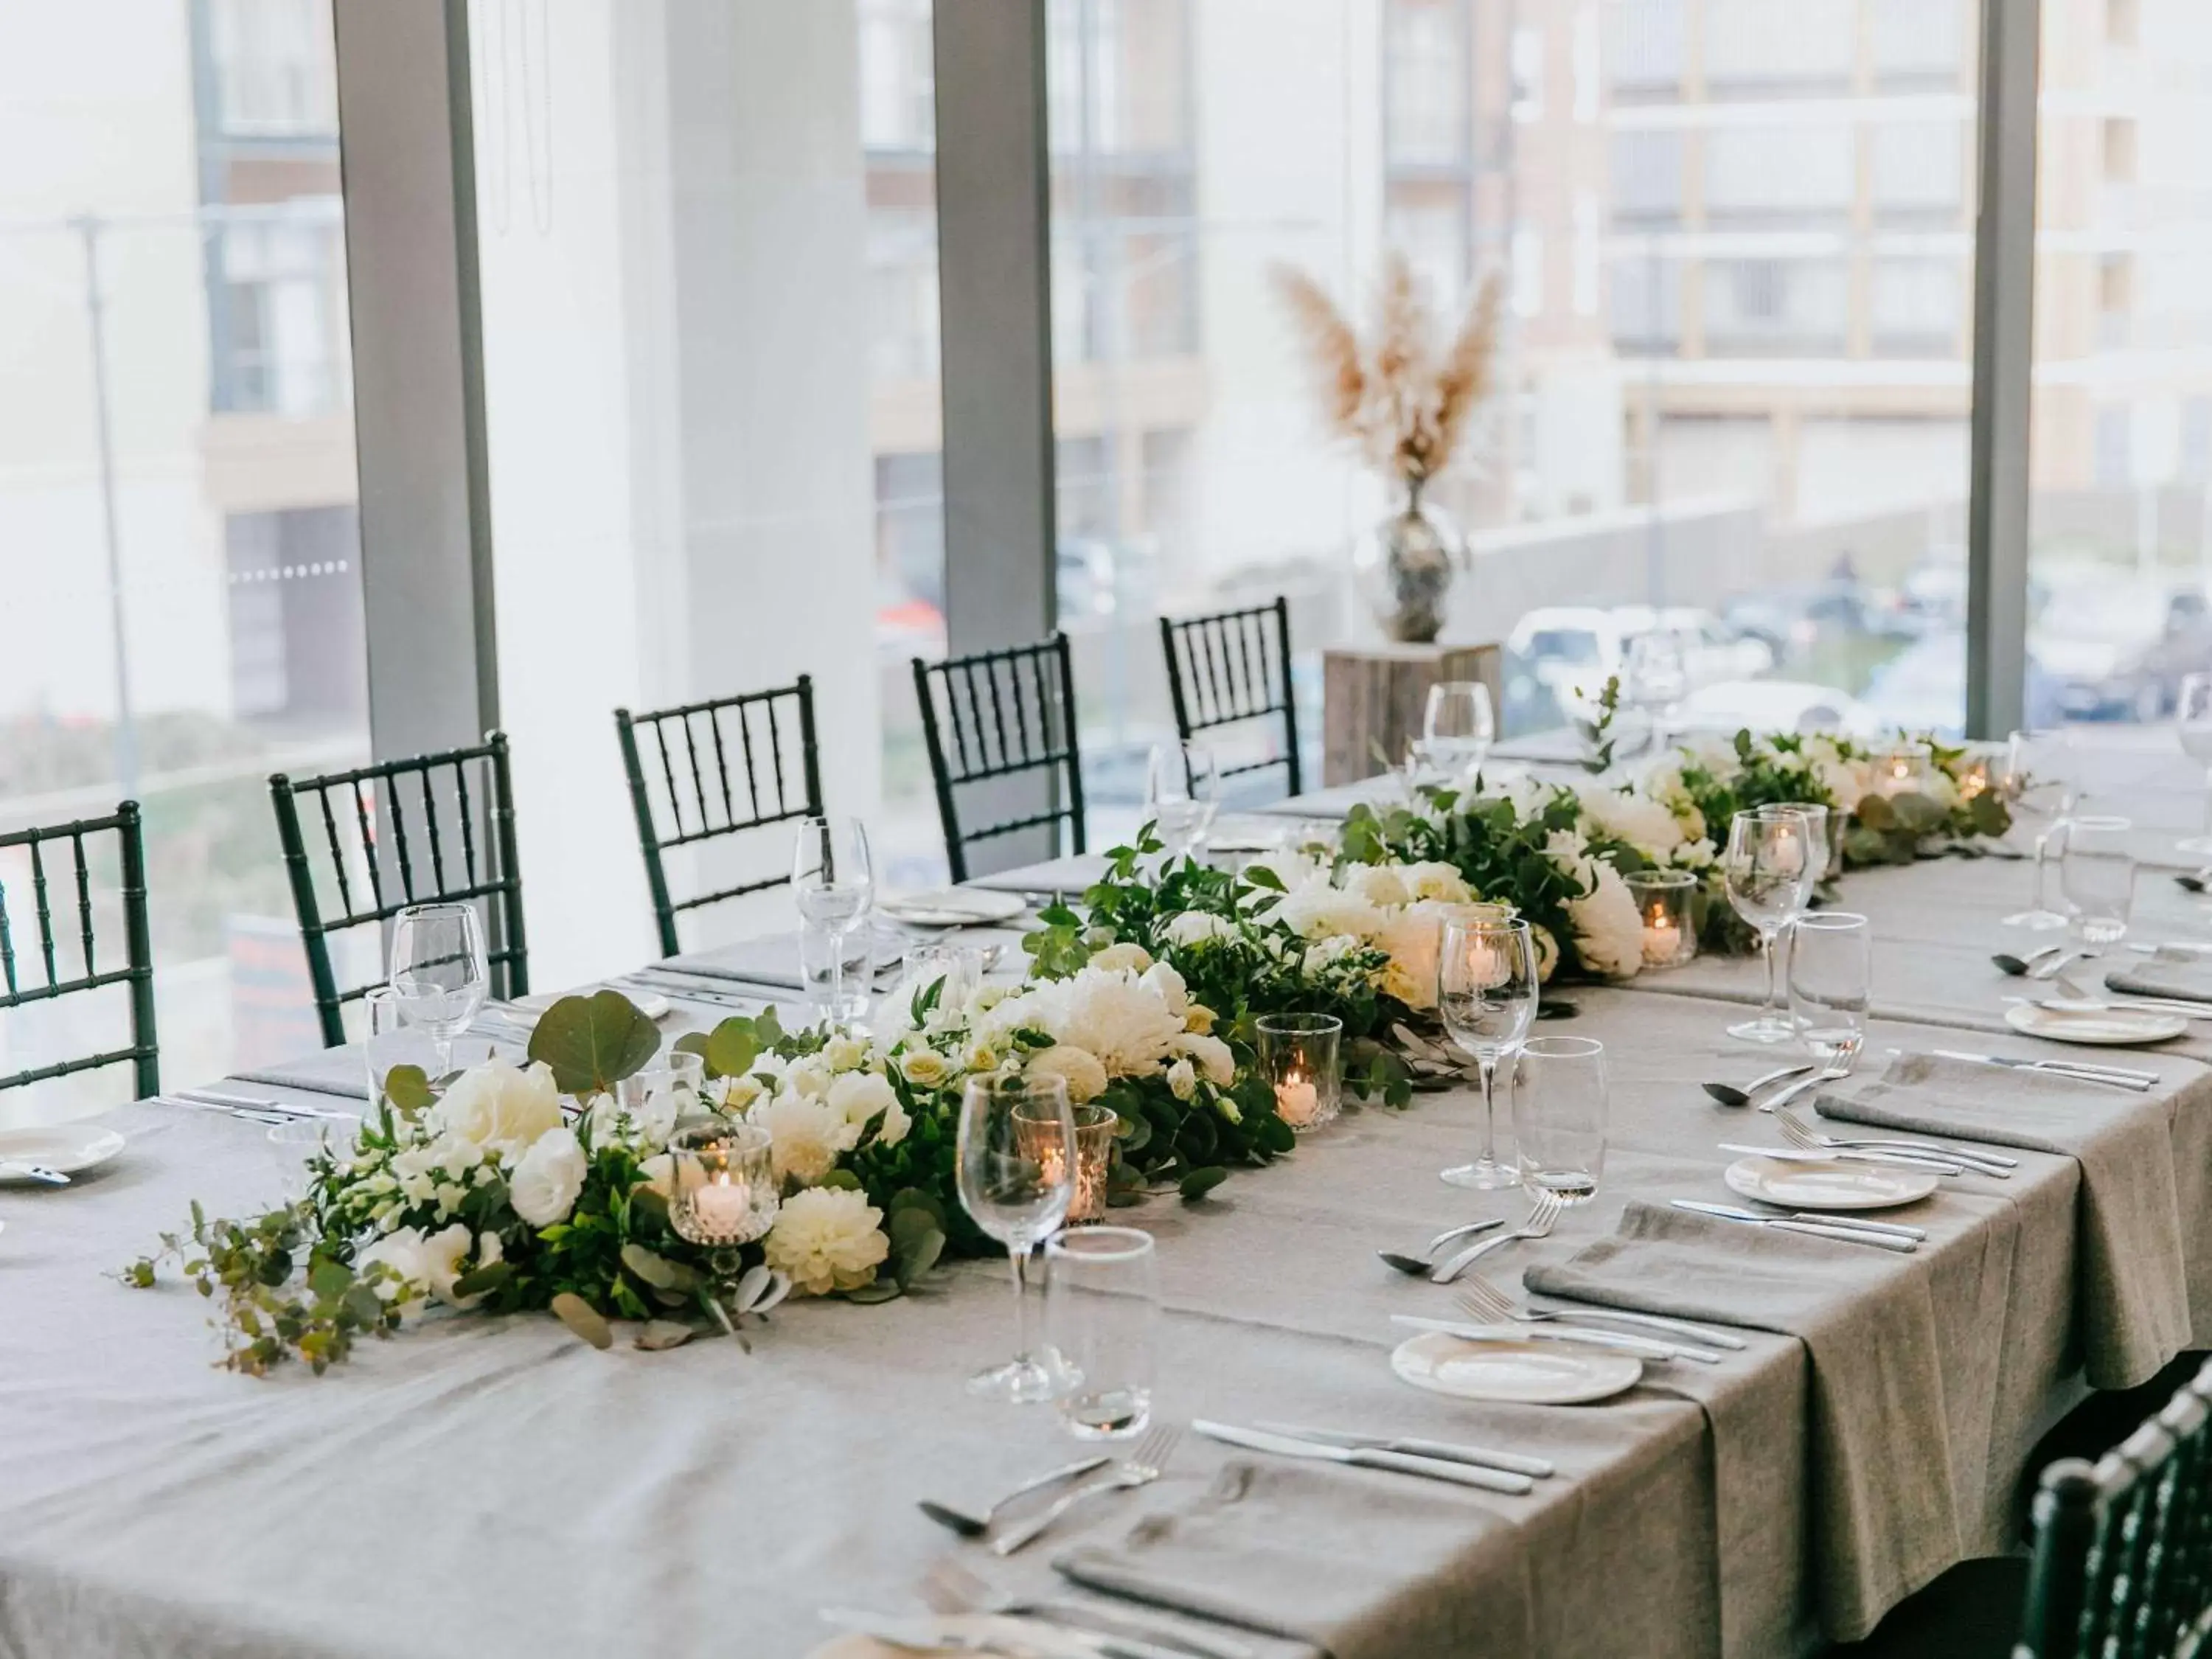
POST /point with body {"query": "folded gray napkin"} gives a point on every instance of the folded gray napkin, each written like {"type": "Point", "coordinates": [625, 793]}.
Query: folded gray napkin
{"type": "Point", "coordinates": [2181, 974]}
{"type": "Point", "coordinates": [1068, 876]}
{"type": "Point", "coordinates": [1350, 1562]}
{"type": "Point", "coordinates": [336, 1071]}
{"type": "Point", "coordinates": [1887, 1519]}
{"type": "Point", "coordinates": [773, 959]}
{"type": "Point", "coordinates": [2131, 1283]}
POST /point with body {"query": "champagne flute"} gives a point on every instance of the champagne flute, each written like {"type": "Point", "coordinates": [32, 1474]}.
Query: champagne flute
{"type": "Point", "coordinates": [438, 973]}
{"type": "Point", "coordinates": [2035, 780]}
{"type": "Point", "coordinates": [1487, 990]}
{"type": "Point", "coordinates": [2193, 723]}
{"type": "Point", "coordinates": [833, 882]}
{"type": "Point", "coordinates": [1458, 726]}
{"type": "Point", "coordinates": [1015, 1167]}
{"type": "Point", "coordinates": [1769, 869]}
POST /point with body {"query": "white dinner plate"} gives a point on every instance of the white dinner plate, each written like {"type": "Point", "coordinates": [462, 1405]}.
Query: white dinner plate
{"type": "Point", "coordinates": [70, 1148]}
{"type": "Point", "coordinates": [952, 907]}
{"type": "Point", "coordinates": [1520, 1373]}
{"type": "Point", "coordinates": [1826, 1184]}
{"type": "Point", "coordinates": [651, 1004]}
{"type": "Point", "coordinates": [2112, 1027]}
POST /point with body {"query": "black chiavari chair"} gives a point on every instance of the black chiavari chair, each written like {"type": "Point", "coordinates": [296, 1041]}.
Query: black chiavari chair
{"type": "Point", "coordinates": [1233, 668]}
{"type": "Point", "coordinates": [999, 714]}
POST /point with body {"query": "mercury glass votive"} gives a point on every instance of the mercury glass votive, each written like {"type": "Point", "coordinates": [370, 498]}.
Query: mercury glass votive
{"type": "Point", "coordinates": [724, 1190]}
{"type": "Point", "coordinates": [1664, 903]}
{"type": "Point", "coordinates": [1903, 769]}
{"type": "Point", "coordinates": [1298, 1058]}
{"type": "Point", "coordinates": [1094, 1154]}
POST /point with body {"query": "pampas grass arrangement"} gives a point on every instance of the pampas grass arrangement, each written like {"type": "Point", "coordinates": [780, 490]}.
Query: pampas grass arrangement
{"type": "Point", "coordinates": [1403, 396]}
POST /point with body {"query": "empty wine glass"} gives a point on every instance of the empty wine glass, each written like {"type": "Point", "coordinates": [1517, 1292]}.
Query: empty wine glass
{"type": "Point", "coordinates": [1181, 795]}
{"type": "Point", "coordinates": [1769, 869]}
{"type": "Point", "coordinates": [2034, 779]}
{"type": "Point", "coordinates": [1831, 970]}
{"type": "Point", "coordinates": [1487, 990]}
{"type": "Point", "coordinates": [833, 884]}
{"type": "Point", "coordinates": [1655, 679]}
{"type": "Point", "coordinates": [1458, 726]}
{"type": "Point", "coordinates": [2193, 723]}
{"type": "Point", "coordinates": [1016, 1168]}
{"type": "Point", "coordinates": [2097, 875]}
{"type": "Point", "coordinates": [438, 973]}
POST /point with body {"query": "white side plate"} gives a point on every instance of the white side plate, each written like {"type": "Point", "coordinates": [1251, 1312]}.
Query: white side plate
{"type": "Point", "coordinates": [70, 1148]}
{"type": "Point", "coordinates": [1522, 1373]}
{"type": "Point", "coordinates": [651, 1004]}
{"type": "Point", "coordinates": [2106, 1027]}
{"type": "Point", "coordinates": [952, 907]}
{"type": "Point", "coordinates": [1829, 1184]}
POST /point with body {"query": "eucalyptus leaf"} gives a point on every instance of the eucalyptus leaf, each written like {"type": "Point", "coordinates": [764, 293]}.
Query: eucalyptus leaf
{"type": "Point", "coordinates": [1199, 1182]}
{"type": "Point", "coordinates": [477, 1280]}
{"type": "Point", "coordinates": [581, 1317]}
{"type": "Point", "coordinates": [408, 1089]}
{"type": "Point", "coordinates": [660, 1334]}
{"type": "Point", "coordinates": [844, 1178]}
{"type": "Point", "coordinates": [592, 1043]}
{"type": "Point", "coordinates": [731, 1048]}
{"type": "Point", "coordinates": [881, 1290]}
{"type": "Point", "coordinates": [656, 1270]}
{"type": "Point", "coordinates": [329, 1279]}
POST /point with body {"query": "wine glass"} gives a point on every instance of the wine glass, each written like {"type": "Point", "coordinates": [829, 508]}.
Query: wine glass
{"type": "Point", "coordinates": [1656, 679]}
{"type": "Point", "coordinates": [2034, 779]}
{"type": "Point", "coordinates": [833, 881]}
{"type": "Point", "coordinates": [2193, 723]}
{"type": "Point", "coordinates": [1486, 989]}
{"type": "Point", "coordinates": [1016, 1168]}
{"type": "Point", "coordinates": [1769, 869]}
{"type": "Point", "coordinates": [438, 972]}
{"type": "Point", "coordinates": [1458, 726]}
{"type": "Point", "coordinates": [1181, 795]}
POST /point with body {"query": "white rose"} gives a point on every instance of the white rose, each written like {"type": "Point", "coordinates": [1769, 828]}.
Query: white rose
{"type": "Point", "coordinates": [1127, 954]}
{"type": "Point", "coordinates": [859, 1096]}
{"type": "Point", "coordinates": [1435, 879]}
{"type": "Point", "coordinates": [738, 1093]}
{"type": "Point", "coordinates": [925, 1068]}
{"type": "Point", "coordinates": [1318, 909]}
{"type": "Point", "coordinates": [806, 1135]}
{"type": "Point", "coordinates": [1079, 1069]}
{"type": "Point", "coordinates": [544, 1185]}
{"type": "Point", "coordinates": [1182, 1079]}
{"type": "Point", "coordinates": [809, 1075]}
{"type": "Point", "coordinates": [430, 1263]}
{"type": "Point", "coordinates": [1215, 1061]}
{"type": "Point", "coordinates": [499, 1105]}
{"type": "Point", "coordinates": [827, 1238]}
{"type": "Point", "coordinates": [845, 1054]}
{"type": "Point", "coordinates": [1198, 927]}
{"type": "Point", "coordinates": [1378, 884]}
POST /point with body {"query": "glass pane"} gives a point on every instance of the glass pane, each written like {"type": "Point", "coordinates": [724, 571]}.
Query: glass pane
{"type": "Point", "coordinates": [178, 540]}
{"type": "Point", "coordinates": [1732, 374]}
{"type": "Point", "coordinates": [2121, 463]}
{"type": "Point", "coordinates": [710, 338]}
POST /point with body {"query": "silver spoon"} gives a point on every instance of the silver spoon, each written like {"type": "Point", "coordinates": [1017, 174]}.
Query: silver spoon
{"type": "Point", "coordinates": [1420, 1265]}
{"type": "Point", "coordinates": [975, 1526]}
{"type": "Point", "coordinates": [1728, 1094]}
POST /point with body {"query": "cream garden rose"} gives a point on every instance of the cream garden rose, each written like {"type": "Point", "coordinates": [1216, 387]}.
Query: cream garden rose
{"type": "Point", "coordinates": [545, 1184]}
{"type": "Point", "coordinates": [499, 1106]}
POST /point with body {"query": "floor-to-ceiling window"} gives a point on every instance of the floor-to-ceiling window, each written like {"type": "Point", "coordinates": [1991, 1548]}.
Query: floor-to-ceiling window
{"type": "Point", "coordinates": [179, 542]}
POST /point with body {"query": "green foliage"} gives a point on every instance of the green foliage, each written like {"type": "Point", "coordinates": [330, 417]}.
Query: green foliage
{"type": "Point", "coordinates": [1599, 738]}
{"type": "Point", "coordinates": [594, 1043]}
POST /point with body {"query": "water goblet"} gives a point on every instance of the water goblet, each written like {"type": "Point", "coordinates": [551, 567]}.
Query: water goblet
{"type": "Point", "coordinates": [1487, 991]}
{"type": "Point", "coordinates": [1015, 1167]}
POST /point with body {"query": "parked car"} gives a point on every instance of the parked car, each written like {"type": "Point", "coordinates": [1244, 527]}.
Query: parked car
{"type": "Point", "coordinates": [2117, 651]}
{"type": "Point", "coordinates": [1568, 652]}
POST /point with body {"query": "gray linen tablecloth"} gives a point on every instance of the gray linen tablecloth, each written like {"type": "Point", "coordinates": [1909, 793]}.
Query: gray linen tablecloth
{"type": "Point", "coordinates": [493, 1486]}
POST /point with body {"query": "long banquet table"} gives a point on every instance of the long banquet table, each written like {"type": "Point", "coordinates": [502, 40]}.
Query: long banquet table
{"type": "Point", "coordinates": [491, 1486]}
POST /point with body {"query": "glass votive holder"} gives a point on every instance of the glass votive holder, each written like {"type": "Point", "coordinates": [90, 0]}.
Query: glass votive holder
{"type": "Point", "coordinates": [1298, 1058]}
{"type": "Point", "coordinates": [1902, 769]}
{"type": "Point", "coordinates": [725, 1191]}
{"type": "Point", "coordinates": [1094, 1160]}
{"type": "Point", "coordinates": [1665, 905]}
{"type": "Point", "coordinates": [956, 970]}
{"type": "Point", "coordinates": [672, 1089]}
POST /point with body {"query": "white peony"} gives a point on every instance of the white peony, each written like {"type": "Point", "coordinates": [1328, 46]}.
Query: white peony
{"type": "Point", "coordinates": [857, 1097]}
{"type": "Point", "coordinates": [1435, 879]}
{"type": "Point", "coordinates": [1378, 884]}
{"type": "Point", "coordinates": [1318, 909]}
{"type": "Point", "coordinates": [1127, 954]}
{"type": "Point", "coordinates": [1163, 982]}
{"type": "Point", "coordinates": [544, 1185]}
{"type": "Point", "coordinates": [1079, 1070]}
{"type": "Point", "coordinates": [805, 1135]}
{"type": "Point", "coordinates": [1214, 1060]}
{"type": "Point", "coordinates": [499, 1106]}
{"type": "Point", "coordinates": [1199, 928]}
{"type": "Point", "coordinates": [1608, 932]}
{"type": "Point", "coordinates": [1644, 823]}
{"type": "Point", "coordinates": [1115, 1016]}
{"type": "Point", "coordinates": [430, 1263]}
{"type": "Point", "coordinates": [827, 1238]}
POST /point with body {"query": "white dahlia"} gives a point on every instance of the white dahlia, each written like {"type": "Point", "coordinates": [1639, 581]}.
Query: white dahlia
{"type": "Point", "coordinates": [1078, 1068]}
{"type": "Point", "coordinates": [827, 1238]}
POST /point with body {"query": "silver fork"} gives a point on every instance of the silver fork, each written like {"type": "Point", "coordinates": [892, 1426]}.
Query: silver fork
{"type": "Point", "coordinates": [949, 1587]}
{"type": "Point", "coordinates": [1490, 1304]}
{"type": "Point", "coordinates": [1141, 1468]}
{"type": "Point", "coordinates": [1789, 1091]}
{"type": "Point", "coordinates": [1543, 1216]}
{"type": "Point", "coordinates": [1799, 1134]}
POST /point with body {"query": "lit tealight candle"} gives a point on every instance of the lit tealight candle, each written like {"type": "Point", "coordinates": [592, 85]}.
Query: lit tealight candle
{"type": "Point", "coordinates": [720, 1204]}
{"type": "Point", "coordinates": [1297, 1100]}
{"type": "Point", "coordinates": [1662, 940]}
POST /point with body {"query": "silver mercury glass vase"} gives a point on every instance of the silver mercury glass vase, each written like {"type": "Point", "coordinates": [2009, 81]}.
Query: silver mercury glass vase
{"type": "Point", "coordinates": [1404, 566]}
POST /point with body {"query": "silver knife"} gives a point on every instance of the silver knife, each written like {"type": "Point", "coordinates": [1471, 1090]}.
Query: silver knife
{"type": "Point", "coordinates": [256, 1104]}
{"type": "Point", "coordinates": [1934, 1163]}
{"type": "Point", "coordinates": [1840, 1230]}
{"type": "Point", "coordinates": [1710, 1335]}
{"type": "Point", "coordinates": [926, 1633]}
{"type": "Point", "coordinates": [1576, 1335]}
{"type": "Point", "coordinates": [2138, 1081]}
{"type": "Point", "coordinates": [13, 1170]}
{"type": "Point", "coordinates": [248, 1113]}
{"type": "Point", "coordinates": [1433, 1468]}
{"type": "Point", "coordinates": [1830, 1219]}
{"type": "Point", "coordinates": [1536, 1469]}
